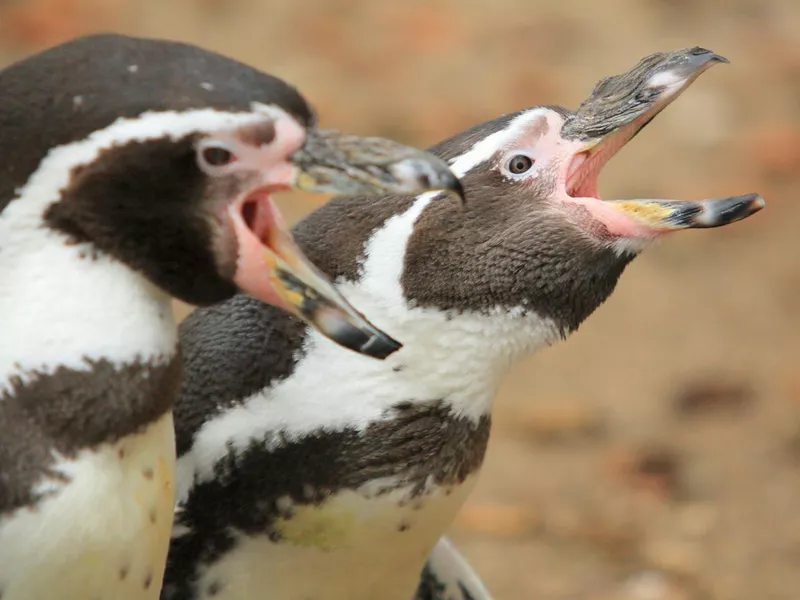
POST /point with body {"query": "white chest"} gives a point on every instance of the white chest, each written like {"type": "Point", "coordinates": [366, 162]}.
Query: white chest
{"type": "Point", "coordinates": [352, 547]}
{"type": "Point", "coordinates": [105, 533]}
{"type": "Point", "coordinates": [355, 546]}
{"type": "Point", "coordinates": [102, 529]}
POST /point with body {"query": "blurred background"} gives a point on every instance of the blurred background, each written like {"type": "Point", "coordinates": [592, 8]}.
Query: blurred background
{"type": "Point", "coordinates": [656, 454]}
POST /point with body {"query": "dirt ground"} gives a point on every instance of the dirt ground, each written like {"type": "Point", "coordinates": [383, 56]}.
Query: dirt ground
{"type": "Point", "coordinates": [656, 454]}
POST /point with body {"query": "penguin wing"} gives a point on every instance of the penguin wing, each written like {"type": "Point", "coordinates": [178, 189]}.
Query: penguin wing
{"type": "Point", "coordinates": [229, 352]}
{"type": "Point", "coordinates": [448, 576]}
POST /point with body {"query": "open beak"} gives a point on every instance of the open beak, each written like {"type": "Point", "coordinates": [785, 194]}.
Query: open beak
{"type": "Point", "coordinates": [351, 165]}
{"type": "Point", "coordinates": [618, 109]}
{"type": "Point", "coordinates": [661, 216]}
{"type": "Point", "coordinates": [270, 265]}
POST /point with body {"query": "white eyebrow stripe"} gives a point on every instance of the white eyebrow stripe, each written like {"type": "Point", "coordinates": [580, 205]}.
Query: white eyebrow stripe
{"type": "Point", "coordinates": [487, 147]}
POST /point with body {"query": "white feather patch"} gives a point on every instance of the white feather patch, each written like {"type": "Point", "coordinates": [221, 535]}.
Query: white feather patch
{"type": "Point", "coordinates": [459, 358]}
{"type": "Point", "coordinates": [58, 307]}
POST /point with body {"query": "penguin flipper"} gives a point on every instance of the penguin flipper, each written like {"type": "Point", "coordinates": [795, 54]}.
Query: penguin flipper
{"type": "Point", "coordinates": [448, 576]}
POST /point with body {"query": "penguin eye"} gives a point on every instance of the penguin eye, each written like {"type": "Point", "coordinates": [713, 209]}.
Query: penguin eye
{"type": "Point", "coordinates": [215, 155]}
{"type": "Point", "coordinates": [519, 164]}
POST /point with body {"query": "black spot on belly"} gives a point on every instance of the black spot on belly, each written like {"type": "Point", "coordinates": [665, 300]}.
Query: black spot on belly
{"type": "Point", "coordinates": [123, 573]}
{"type": "Point", "coordinates": [148, 580]}
{"type": "Point", "coordinates": [214, 588]}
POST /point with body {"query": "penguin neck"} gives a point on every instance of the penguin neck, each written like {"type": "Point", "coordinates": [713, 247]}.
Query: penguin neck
{"type": "Point", "coordinates": [460, 355]}
{"type": "Point", "coordinates": [450, 363]}
{"type": "Point", "coordinates": [454, 358]}
{"type": "Point", "coordinates": [66, 305]}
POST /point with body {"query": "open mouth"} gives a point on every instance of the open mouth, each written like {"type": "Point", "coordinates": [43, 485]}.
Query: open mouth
{"type": "Point", "coordinates": [584, 169]}
{"type": "Point", "coordinates": [640, 219]}
{"type": "Point", "coordinates": [270, 266]}
{"type": "Point", "coordinates": [261, 216]}
{"type": "Point", "coordinates": [619, 108]}
{"type": "Point", "coordinates": [583, 174]}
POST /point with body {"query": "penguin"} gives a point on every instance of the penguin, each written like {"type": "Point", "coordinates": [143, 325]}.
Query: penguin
{"type": "Point", "coordinates": [135, 171]}
{"type": "Point", "coordinates": [308, 473]}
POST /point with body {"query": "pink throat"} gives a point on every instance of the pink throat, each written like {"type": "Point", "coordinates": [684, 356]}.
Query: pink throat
{"type": "Point", "coordinates": [257, 226]}
{"type": "Point", "coordinates": [584, 168]}
{"type": "Point", "coordinates": [582, 198]}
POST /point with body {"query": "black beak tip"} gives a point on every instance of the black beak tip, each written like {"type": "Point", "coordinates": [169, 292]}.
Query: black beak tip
{"type": "Point", "coordinates": [366, 339]}
{"type": "Point", "coordinates": [724, 211]}
{"type": "Point", "coordinates": [753, 203]}
{"type": "Point", "coordinates": [380, 346]}
{"type": "Point", "coordinates": [704, 55]}
{"type": "Point", "coordinates": [740, 207]}
{"type": "Point", "coordinates": [458, 189]}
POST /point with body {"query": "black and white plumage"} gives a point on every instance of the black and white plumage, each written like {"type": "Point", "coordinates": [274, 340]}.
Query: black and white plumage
{"type": "Point", "coordinates": [133, 171]}
{"type": "Point", "coordinates": [307, 473]}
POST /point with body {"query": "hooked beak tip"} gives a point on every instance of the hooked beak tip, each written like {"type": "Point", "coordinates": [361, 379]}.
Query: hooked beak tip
{"type": "Point", "coordinates": [708, 55]}
{"type": "Point", "coordinates": [702, 59]}
{"type": "Point", "coordinates": [272, 268]}
{"type": "Point", "coordinates": [660, 216]}
{"type": "Point", "coordinates": [367, 341]}
{"type": "Point", "coordinates": [724, 211]}
{"type": "Point", "coordinates": [757, 202]}
{"type": "Point", "coordinates": [457, 188]}
{"type": "Point", "coordinates": [311, 296]}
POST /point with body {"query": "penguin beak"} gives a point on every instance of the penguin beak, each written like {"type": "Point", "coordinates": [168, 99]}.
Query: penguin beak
{"type": "Point", "coordinates": [618, 109]}
{"type": "Point", "coordinates": [345, 164]}
{"type": "Point", "coordinates": [271, 267]}
{"type": "Point", "coordinates": [331, 162]}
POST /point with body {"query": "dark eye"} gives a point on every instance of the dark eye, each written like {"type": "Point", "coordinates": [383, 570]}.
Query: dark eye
{"type": "Point", "coordinates": [519, 164]}
{"type": "Point", "coordinates": [217, 156]}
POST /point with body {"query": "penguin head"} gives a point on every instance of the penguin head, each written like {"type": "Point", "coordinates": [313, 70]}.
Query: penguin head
{"type": "Point", "coordinates": [165, 157]}
{"type": "Point", "coordinates": [535, 235]}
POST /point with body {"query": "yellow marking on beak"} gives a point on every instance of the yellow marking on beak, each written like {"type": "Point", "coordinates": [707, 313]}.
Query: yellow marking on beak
{"type": "Point", "coordinates": [274, 262]}
{"type": "Point", "coordinates": [646, 211]}
{"type": "Point", "coordinates": [292, 297]}
{"type": "Point", "coordinates": [591, 144]}
{"type": "Point", "coordinates": [305, 181]}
